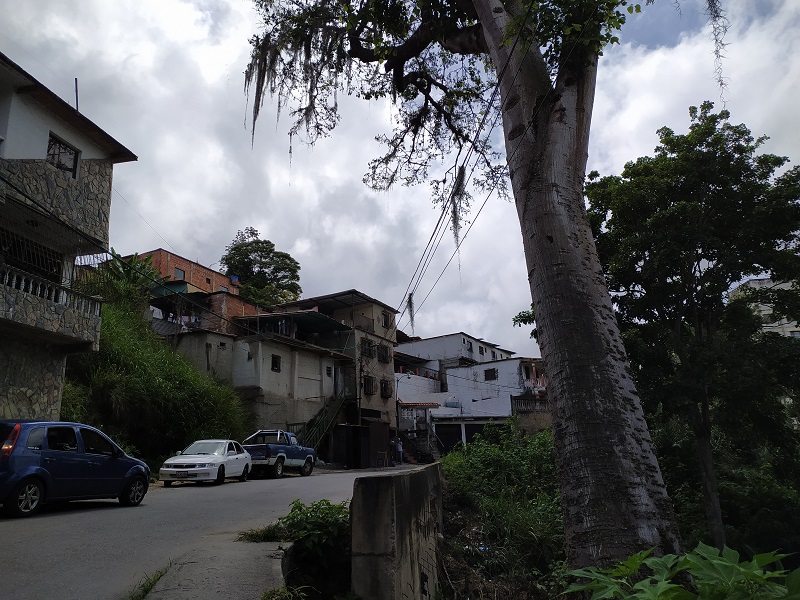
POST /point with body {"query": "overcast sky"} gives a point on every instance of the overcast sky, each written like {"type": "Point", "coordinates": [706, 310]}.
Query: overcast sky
{"type": "Point", "coordinates": [164, 77]}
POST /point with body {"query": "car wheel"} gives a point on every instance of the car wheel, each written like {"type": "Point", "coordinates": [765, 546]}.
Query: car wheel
{"type": "Point", "coordinates": [245, 473]}
{"type": "Point", "coordinates": [134, 492]}
{"type": "Point", "coordinates": [167, 483]}
{"type": "Point", "coordinates": [220, 476]}
{"type": "Point", "coordinates": [277, 469]}
{"type": "Point", "coordinates": [307, 468]}
{"type": "Point", "coordinates": [26, 499]}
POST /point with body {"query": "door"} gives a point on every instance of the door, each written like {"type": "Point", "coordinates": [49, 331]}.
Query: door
{"type": "Point", "coordinates": [234, 461]}
{"type": "Point", "coordinates": [104, 472]}
{"type": "Point", "coordinates": [65, 464]}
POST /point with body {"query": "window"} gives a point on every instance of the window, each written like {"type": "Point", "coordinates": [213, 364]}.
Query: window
{"type": "Point", "coordinates": [62, 156]}
{"type": "Point", "coordinates": [222, 345]}
{"type": "Point", "coordinates": [180, 274]}
{"type": "Point", "coordinates": [367, 348]}
{"type": "Point", "coordinates": [62, 439]}
{"type": "Point", "coordinates": [386, 320]}
{"type": "Point", "coordinates": [239, 449]}
{"type": "Point", "coordinates": [276, 363]}
{"type": "Point", "coordinates": [494, 355]}
{"type": "Point", "coordinates": [231, 447]}
{"type": "Point", "coordinates": [481, 350]}
{"type": "Point", "coordinates": [208, 280]}
{"type": "Point", "coordinates": [328, 371]}
{"type": "Point", "coordinates": [369, 385]}
{"type": "Point", "coordinates": [527, 372]}
{"type": "Point", "coordinates": [386, 388]}
{"type": "Point", "coordinates": [94, 443]}
{"type": "Point", "coordinates": [222, 288]}
{"type": "Point", "coordinates": [384, 354]}
{"type": "Point", "coordinates": [490, 374]}
{"type": "Point", "coordinates": [469, 346]}
{"type": "Point", "coordinates": [35, 438]}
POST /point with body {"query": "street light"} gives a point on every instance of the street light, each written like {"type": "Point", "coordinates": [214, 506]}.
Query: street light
{"type": "Point", "coordinates": [397, 397]}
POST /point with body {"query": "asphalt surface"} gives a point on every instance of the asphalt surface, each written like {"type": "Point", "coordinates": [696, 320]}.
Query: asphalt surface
{"type": "Point", "coordinates": [100, 550]}
{"type": "Point", "coordinates": [225, 568]}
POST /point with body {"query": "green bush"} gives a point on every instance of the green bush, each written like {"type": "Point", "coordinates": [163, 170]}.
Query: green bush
{"type": "Point", "coordinates": [714, 575]}
{"type": "Point", "coordinates": [319, 526]}
{"type": "Point", "coordinates": [502, 508]}
{"type": "Point", "coordinates": [141, 392]}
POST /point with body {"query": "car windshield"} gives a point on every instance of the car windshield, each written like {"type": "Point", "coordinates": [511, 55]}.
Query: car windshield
{"type": "Point", "coordinates": [205, 448]}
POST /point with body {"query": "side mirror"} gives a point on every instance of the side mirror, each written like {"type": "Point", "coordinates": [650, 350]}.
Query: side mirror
{"type": "Point", "coordinates": [231, 453]}
{"type": "Point", "coordinates": [178, 452]}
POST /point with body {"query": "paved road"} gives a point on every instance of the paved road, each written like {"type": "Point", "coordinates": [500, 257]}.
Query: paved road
{"type": "Point", "coordinates": [101, 550]}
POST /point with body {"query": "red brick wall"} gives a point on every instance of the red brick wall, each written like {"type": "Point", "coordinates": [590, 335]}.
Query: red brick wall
{"type": "Point", "coordinates": [224, 307]}
{"type": "Point", "coordinates": [196, 274]}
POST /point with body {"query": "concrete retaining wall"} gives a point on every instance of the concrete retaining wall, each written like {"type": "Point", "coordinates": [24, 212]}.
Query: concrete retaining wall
{"type": "Point", "coordinates": [397, 521]}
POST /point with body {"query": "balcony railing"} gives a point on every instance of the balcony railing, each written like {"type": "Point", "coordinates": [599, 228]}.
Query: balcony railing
{"type": "Point", "coordinates": [30, 284]}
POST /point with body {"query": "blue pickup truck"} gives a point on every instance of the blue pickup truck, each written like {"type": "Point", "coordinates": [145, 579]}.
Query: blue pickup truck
{"type": "Point", "coordinates": [273, 450]}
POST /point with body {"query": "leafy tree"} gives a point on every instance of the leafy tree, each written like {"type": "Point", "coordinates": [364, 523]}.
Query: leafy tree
{"type": "Point", "coordinates": [440, 60]}
{"type": "Point", "coordinates": [268, 277]}
{"type": "Point", "coordinates": [675, 232]}
{"type": "Point", "coordinates": [122, 280]}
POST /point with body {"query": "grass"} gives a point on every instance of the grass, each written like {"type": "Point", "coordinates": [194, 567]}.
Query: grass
{"type": "Point", "coordinates": [274, 532]}
{"type": "Point", "coordinates": [147, 583]}
{"type": "Point", "coordinates": [285, 593]}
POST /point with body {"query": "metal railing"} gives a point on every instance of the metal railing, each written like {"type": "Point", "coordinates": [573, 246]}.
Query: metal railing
{"type": "Point", "coordinates": [311, 433]}
{"type": "Point", "coordinates": [36, 286]}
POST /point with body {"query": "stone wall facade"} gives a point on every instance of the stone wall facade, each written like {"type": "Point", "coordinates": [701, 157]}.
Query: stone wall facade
{"type": "Point", "coordinates": [65, 317]}
{"type": "Point", "coordinates": [83, 203]}
{"type": "Point", "coordinates": [31, 380]}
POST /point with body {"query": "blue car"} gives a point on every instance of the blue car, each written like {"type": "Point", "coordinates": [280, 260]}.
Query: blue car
{"type": "Point", "coordinates": [44, 461]}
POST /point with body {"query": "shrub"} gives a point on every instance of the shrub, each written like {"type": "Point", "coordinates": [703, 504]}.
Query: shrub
{"type": "Point", "coordinates": [503, 513]}
{"type": "Point", "coordinates": [714, 575]}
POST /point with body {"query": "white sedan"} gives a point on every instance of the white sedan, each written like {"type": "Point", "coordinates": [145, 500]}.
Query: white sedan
{"type": "Point", "coordinates": [207, 460]}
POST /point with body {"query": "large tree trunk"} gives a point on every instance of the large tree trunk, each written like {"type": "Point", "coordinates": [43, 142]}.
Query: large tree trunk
{"type": "Point", "coordinates": [615, 501]}
{"type": "Point", "coordinates": [701, 426]}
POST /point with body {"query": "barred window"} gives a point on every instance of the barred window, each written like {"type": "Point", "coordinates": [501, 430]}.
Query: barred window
{"type": "Point", "coordinates": [369, 385]}
{"type": "Point", "coordinates": [62, 156]}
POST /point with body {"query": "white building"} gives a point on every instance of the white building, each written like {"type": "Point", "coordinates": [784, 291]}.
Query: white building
{"type": "Point", "coordinates": [782, 326]}
{"type": "Point", "coordinates": [461, 382]}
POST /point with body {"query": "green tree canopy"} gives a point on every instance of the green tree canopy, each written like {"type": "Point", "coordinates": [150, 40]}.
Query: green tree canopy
{"type": "Point", "coordinates": [268, 277]}
{"type": "Point", "coordinates": [675, 233]}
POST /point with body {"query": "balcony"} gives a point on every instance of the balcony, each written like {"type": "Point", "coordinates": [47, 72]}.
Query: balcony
{"type": "Point", "coordinates": [54, 313]}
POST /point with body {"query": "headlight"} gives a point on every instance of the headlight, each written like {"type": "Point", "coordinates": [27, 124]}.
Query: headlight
{"type": "Point", "coordinates": [204, 465]}
{"type": "Point", "coordinates": [166, 466]}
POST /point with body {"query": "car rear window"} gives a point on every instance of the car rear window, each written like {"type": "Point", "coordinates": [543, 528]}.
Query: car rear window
{"type": "Point", "coordinates": [5, 431]}
{"type": "Point", "coordinates": [264, 438]}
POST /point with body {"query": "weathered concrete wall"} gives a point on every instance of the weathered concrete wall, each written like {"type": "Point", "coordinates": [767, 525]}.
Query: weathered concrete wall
{"type": "Point", "coordinates": [83, 203]}
{"type": "Point", "coordinates": [31, 380]}
{"type": "Point", "coordinates": [397, 521]}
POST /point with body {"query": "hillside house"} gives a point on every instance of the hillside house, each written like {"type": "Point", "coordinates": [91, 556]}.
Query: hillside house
{"type": "Point", "coordinates": [450, 386]}
{"type": "Point", "coordinates": [55, 200]}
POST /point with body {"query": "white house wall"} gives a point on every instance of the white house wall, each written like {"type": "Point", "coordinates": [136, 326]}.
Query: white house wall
{"type": "Point", "coordinates": [210, 353]}
{"type": "Point", "coordinates": [28, 126]}
{"type": "Point", "coordinates": [450, 347]}
{"type": "Point", "coordinates": [470, 394]}
{"type": "Point", "coordinates": [294, 394]}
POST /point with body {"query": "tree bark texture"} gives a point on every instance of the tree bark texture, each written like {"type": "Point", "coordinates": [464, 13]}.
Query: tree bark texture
{"type": "Point", "coordinates": [711, 505]}
{"type": "Point", "coordinates": [614, 498]}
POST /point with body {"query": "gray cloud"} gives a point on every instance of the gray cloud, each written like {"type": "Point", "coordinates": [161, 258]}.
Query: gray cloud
{"type": "Point", "coordinates": [166, 80]}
